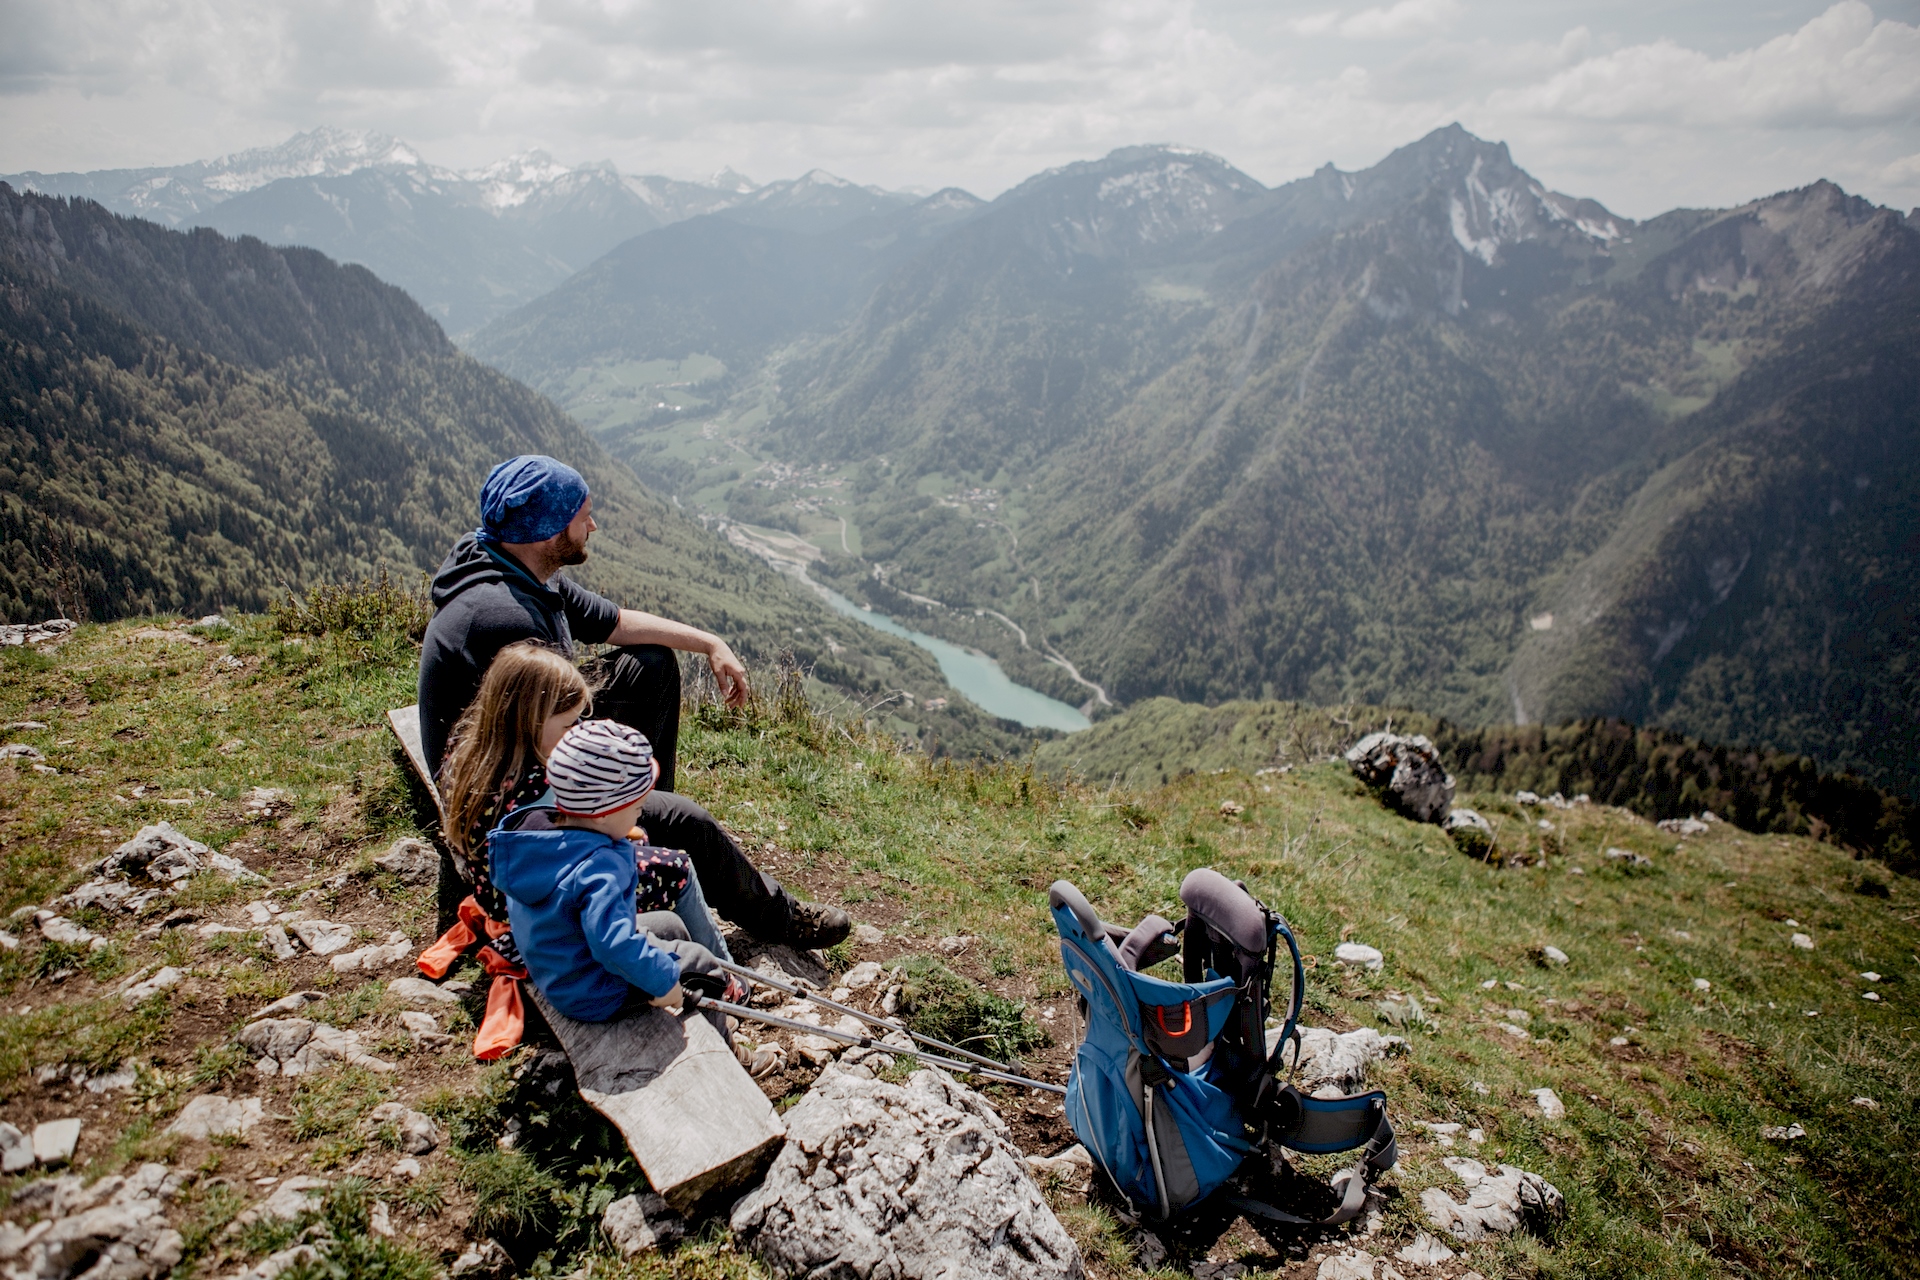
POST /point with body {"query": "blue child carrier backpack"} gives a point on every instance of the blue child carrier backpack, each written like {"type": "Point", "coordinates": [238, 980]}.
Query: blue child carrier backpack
{"type": "Point", "coordinates": [1176, 1084]}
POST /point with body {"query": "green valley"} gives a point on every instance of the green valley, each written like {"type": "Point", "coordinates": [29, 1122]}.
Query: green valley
{"type": "Point", "coordinates": [196, 423]}
{"type": "Point", "coordinates": [1425, 434]}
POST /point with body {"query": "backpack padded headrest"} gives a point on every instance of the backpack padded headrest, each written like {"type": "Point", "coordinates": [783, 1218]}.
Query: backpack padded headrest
{"type": "Point", "coordinates": [1063, 893]}
{"type": "Point", "coordinates": [1151, 941]}
{"type": "Point", "coordinates": [1224, 905]}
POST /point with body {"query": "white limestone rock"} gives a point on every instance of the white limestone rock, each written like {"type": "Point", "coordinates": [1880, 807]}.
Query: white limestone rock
{"type": "Point", "coordinates": [271, 1266]}
{"type": "Point", "coordinates": [1335, 1063]}
{"type": "Point", "coordinates": [300, 1046]}
{"type": "Point", "coordinates": [413, 860]}
{"type": "Point", "coordinates": [54, 1141]}
{"type": "Point", "coordinates": [487, 1256]}
{"type": "Point", "coordinates": [1425, 1251]}
{"type": "Point", "coordinates": [638, 1224]}
{"type": "Point", "coordinates": [862, 975]}
{"type": "Point", "coordinates": [420, 991]}
{"type": "Point", "coordinates": [367, 959]}
{"type": "Point", "coordinates": [275, 942]}
{"type": "Point", "coordinates": [16, 1149]}
{"type": "Point", "coordinates": [1356, 1264]}
{"type": "Point", "coordinates": [115, 1229]}
{"type": "Point", "coordinates": [1074, 1167]}
{"type": "Point", "coordinates": [161, 852]}
{"type": "Point", "coordinates": [1358, 955]}
{"type": "Point", "coordinates": [289, 1004]}
{"type": "Point", "coordinates": [1550, 1105]}
{"type": "Point", "coordinates": [288, 1201]}
{"type": "Point", "coordinates": [907, 1181]}
{"type": "Point", "coordinates": [55, 928]}
{"type": "Point", "coordinates": [417, 1131]}
{"type": "Point", "coordinates": [322, 937]}
{"type": "Point", "coordinates": [212, 1116]}
{"type": "Point", "coordinates": [107, 895]}
{"type": "Point", "coordinates": [424, 1030]}
{"type": "Point", "coordinates": [165, 980]}
{"type": "Point", "coordinates": [1496, 1204]}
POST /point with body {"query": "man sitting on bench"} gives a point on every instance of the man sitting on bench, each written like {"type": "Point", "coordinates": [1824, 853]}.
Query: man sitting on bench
{"type": "Point", "coordinates": [502, 584]}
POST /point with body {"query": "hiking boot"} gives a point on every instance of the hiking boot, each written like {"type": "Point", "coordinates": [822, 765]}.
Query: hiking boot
{"type": "Point", "coordinates": [815, 924]}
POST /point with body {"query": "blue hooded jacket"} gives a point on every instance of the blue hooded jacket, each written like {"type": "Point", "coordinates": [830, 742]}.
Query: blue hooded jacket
{"type": "Point", "coordinates": [570, 900]}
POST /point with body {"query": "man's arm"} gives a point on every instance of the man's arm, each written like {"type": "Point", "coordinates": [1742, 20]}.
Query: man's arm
{"type": "Point", "coordinates": [636, 627]}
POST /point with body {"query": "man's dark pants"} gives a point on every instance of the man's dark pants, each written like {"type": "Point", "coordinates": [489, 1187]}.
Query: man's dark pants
{"type": "Point", "coordinates": [639, 686]}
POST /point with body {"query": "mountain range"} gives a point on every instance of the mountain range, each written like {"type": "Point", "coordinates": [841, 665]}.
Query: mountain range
{"type": "Point", "coordinates": [1428, 434]}
{"type": "Point", "coordinates": [193, 423]}
{"type": "Point", "coordinates": [468, 245]}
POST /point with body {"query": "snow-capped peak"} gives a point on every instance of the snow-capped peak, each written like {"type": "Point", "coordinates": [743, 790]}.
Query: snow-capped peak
{"type": "Point", "coordinates": [508, 183]}
{"type": "Point", "coordinates": [1497, 205]}
{"type": "Point", "coordinates": [820, 178]}
{"type": "Point", "coordinates": [315, 153]}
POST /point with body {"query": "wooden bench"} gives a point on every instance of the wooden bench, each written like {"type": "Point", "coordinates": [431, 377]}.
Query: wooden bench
{"type": "Point", "coordinates": [692, 1116]}
{"type": "Point", "coordinates": [405, 723]}
{"type": "Point", "coordinates": [690, 1113]}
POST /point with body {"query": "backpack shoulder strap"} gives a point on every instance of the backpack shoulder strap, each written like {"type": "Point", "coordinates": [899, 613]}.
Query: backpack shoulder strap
{"type": "Point", "coordinates": [1282, 930]}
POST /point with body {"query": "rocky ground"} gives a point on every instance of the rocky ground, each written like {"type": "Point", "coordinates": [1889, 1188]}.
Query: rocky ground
{"type": "Point", "coordinates": [1609, 1048]}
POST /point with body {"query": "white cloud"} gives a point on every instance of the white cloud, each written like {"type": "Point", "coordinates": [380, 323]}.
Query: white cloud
{"type": "Point", "coordinates": [1409, 17]}
{"type": "Point", "coordinates": [980, 93]}
{"type": "Point", "coordinates": [1841, 67]}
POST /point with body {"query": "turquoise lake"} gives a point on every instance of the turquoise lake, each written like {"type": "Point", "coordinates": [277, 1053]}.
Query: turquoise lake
{"type": "Point", "coordinates": [974, 675]}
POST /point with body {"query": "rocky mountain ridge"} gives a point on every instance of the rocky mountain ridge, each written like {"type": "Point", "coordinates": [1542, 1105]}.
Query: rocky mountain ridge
{"type": "Point", "coordinates": [197, 423]}
{"type": "Point", "coordinates": [467, 244]}
{"type": "Point", "coordinates": [1426, 434]}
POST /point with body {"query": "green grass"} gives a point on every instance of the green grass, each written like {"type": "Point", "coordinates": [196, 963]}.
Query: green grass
{"type": "Point", "coordinates": [1660, 1155]}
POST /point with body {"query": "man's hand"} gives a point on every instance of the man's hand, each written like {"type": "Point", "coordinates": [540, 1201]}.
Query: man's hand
{"type": "Point", "coordinates": [728, 674]}
{"type": "Point", "coordinates": [672, 1000]}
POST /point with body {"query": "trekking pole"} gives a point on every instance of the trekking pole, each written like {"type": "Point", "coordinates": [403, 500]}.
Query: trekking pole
{"type": "Point", "coordinates": [793, 989]}
{"type": "Point", "coordinates": [704, 1003]}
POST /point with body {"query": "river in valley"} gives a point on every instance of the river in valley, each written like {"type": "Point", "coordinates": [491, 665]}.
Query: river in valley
{"type": "Point", "coordinates": [973, 674]}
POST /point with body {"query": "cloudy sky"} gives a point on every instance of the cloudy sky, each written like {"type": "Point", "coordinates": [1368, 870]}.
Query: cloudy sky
{"type": "Point", "coordinates": [1642, 105]}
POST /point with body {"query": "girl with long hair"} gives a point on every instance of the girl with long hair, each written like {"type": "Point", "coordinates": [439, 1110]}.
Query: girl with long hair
{"type": "Point", "coordinates": [530, 696]}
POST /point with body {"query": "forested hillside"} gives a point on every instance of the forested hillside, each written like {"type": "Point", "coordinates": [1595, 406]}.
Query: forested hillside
{"type": "Point", "coordinates": [191, 423]}
{"type": "Point", "coordinates": [1481, 450]}
{"type": "Point", "coordinates": [1426, 435]}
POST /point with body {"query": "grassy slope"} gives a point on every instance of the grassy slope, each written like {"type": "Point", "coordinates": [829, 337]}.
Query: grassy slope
{"type": "Point", "coordinates": [1660, 1153]}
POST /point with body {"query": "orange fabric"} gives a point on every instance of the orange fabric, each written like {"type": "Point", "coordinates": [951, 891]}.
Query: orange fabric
{"type": "Point", "coordinates": [438, 959]}
{"type": "Point", "coordinates": [506, 1019]}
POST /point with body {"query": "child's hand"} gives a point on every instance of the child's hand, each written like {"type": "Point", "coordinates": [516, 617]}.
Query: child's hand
{"type": "Point", "coordinates": [672, 1000]}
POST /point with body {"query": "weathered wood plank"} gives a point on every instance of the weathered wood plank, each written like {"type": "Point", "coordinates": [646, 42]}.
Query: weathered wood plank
{"type": "Point", "coordinates": [405, 723]}
{"type": "Point", "coordinates": [689, 1111]}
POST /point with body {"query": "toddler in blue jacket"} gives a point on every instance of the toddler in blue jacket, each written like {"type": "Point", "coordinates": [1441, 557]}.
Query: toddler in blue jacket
{"type": "Point", "coordinates": [570, 889]}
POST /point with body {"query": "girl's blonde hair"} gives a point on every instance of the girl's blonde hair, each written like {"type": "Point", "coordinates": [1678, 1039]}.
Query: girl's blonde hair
{"type": "Point", "coordinates": [497, 738]}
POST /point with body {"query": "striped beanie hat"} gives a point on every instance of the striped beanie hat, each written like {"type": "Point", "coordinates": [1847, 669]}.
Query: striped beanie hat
{"type": "Point", "coordinates": [600, 767]}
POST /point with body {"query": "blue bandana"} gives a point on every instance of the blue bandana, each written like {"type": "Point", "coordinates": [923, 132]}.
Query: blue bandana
{"type": "Point", "coordinates": [529, 499]}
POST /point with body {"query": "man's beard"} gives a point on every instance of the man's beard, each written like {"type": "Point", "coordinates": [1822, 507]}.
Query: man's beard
{"type": "Point", "coordinates": [571, 552]}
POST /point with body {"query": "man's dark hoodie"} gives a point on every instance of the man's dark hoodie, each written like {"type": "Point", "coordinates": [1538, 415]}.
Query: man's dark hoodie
{"type": "Point", "coordinates": [485, 600]}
